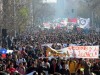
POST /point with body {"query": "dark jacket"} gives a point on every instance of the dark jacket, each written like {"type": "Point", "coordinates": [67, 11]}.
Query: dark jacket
{"type": "Point", "coordinates": [86, 69]}
{"type": "Point", "coordinates": [64, 71]}
{"type": "Point", "coordinates": [31, 69]}
{"type": "Point", "coordinates": [51, 70]}
{"type": "Point", "coordinates": [57, 68]}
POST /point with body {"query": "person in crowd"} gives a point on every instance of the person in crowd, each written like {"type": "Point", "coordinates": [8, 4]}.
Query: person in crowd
{"type": "Point", "coordinates": [23, 53]}
{"type": "Point", "coordinates": [86, 67]}
{"type": "Point", "coordinates": [72, 67]}
{"type": "Point", "coordinates": [20, 60]}
{"type": "Point", "coordinates": [31, 68]}
{"type": "Point", "coordinates": [25, 65]}
{"type": "Point", "coordinates": [96, 67]}
{"type": "Point", "coordinates": [79, 67]}
{"type": "Point", "coordinates": [11, 69]}
{"type": "Point", "coordinates": [46, 66]}
{"type": "Point", "coordinates": [21, 69]}
{"type": "Point", "coordinates": [3, 73]}
{"type": "Point", "coordinates": [28, 49]}
{"type": "Point", "coordinates": [40, 67]}
{"type": "Point", "coordinates": [52, 69]}
{"type": "Point", "coordinates": [9, 58]}
{"type": "Point", "coordinates": [58, 66]}
{"type": "Point", "coordinates": [64, 71]}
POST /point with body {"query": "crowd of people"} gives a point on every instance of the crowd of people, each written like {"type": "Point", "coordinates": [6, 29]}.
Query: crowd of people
{"type": "Point", "coordinates": [29, 56]}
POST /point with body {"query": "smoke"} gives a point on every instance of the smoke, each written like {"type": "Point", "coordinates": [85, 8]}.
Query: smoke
{"type": "Point", "coordinates": [60, 9]}
{"type": "Point", "coordinates": [65, 8]}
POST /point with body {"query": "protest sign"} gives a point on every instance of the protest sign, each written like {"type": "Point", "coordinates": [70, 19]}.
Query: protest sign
{"type": "Point", "coordinates": [82, 51]}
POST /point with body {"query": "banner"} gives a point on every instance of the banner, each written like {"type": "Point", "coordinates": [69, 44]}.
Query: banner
{"type": "Point", "coordinates": [50, 52]}
{"type": "Point", "coordinates": [72, 20]}
{"type": "Point", "coordinates": [82, 51]}
{"type": "Point", "coordinates": [46, 25]}
{"type": "Point", "coordinates": [64, 22]}
{"type": "Point", "coordinates": [83, 23]}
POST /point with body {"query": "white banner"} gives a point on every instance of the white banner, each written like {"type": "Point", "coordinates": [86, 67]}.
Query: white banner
{"type": "Point", "coordinates": [46, 25]}
{"type": "Point", "coordinates": [84, 23]}
{"type": "Point", "coordinates": [82, 51]}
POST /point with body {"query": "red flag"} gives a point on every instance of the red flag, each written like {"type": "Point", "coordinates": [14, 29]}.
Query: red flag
{"type": "Point", "coordinates": [74, 20]}
{"type": "Point", "coordinates": [3, 55]}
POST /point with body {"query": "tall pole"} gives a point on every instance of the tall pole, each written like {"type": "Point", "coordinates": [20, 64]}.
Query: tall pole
{"type": "Point", "coordinates": [32, 16]}
{"type": "Point", "coordinates": [92, 18]}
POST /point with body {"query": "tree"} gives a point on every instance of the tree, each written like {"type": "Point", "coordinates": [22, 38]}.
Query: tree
{"type": "Point", "coordinates": [15, 15]}
{"type": "Point", "coordinates": [41, 12]}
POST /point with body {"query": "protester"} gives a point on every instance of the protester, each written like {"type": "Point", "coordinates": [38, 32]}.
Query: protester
{"type": "Point", "coordinates": [21, 69]}
{"type": "Point", "coordinates": [29, 54]}
{"type": "Point", "coordinates": [64, 71]}
{"type": "Point", "coordinates": [72, 67]}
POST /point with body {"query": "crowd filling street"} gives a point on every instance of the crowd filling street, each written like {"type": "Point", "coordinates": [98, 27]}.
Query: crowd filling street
{"type": "Point", "coordinates": [29, 54]}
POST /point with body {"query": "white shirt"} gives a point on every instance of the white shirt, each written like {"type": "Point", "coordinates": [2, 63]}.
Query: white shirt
{"type": "Point", "coordinates": [20, 61]}
{"type": "Point", "coordinates": [44, 65]}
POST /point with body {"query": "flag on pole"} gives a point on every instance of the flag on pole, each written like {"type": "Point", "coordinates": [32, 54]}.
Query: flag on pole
{"type": "Point", "coordinates": [3, 52]}
{"type": "Point", "coordinates": [84, 22]}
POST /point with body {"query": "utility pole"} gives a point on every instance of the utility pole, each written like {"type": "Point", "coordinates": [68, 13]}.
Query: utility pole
{"type": "Point", "coordinates": [92, 18]}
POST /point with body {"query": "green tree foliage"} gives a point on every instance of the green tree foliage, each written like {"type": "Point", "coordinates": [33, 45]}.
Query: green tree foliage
{"type": "Point", "coordinates": [41, 12]}
{"type": "Point", "coordinates": [15, 15]}
{"type": "Point", "coordinates": [24, 12]}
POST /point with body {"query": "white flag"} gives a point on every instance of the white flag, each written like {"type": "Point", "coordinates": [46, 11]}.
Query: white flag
{"type": "Point", "coordinates": [84, 23]}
